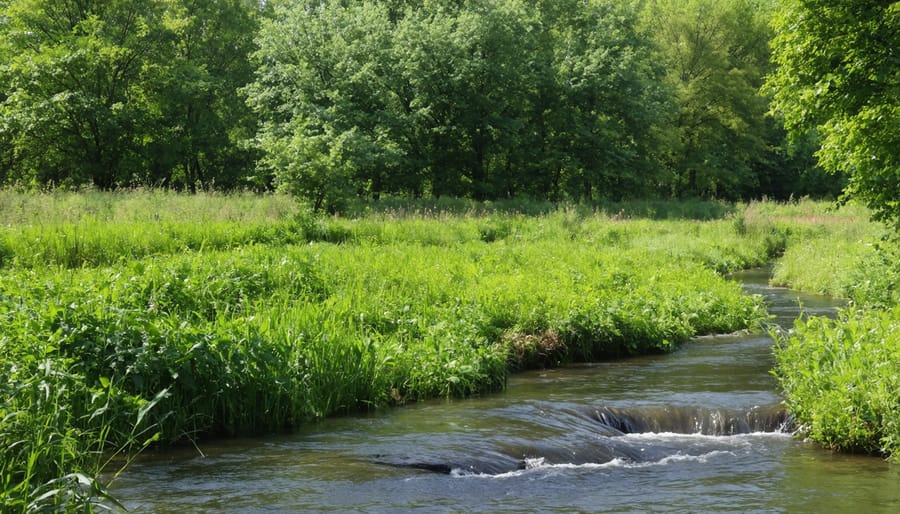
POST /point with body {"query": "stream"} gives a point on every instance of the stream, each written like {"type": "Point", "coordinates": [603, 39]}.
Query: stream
{"type": "Point", "coordinates": [698, 430]}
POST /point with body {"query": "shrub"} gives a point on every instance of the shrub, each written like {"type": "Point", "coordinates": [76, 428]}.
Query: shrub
{"type": "Point", "coordinates": [841, 381]}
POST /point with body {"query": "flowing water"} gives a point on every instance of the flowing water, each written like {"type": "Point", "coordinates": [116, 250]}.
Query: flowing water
{"type": "Point", "coordinates": [699, 430]}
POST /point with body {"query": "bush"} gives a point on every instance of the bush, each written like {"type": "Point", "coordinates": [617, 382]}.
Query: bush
{"type": "Point", "coordinates": [840, 379]}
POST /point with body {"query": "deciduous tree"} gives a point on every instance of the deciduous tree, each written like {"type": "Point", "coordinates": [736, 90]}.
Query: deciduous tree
{"type": "Point", "coordinates": [716, 56]}
{"type": "Point", "coordinates": [325, 96]}
{"type": "Point", "coordinates": [204, 123]}
{"type": "Point", "coordinates": [838, 74]}
{"type": "Point", "coordinates": [122, 92]}
{"type": "Point", "coordinates": [483, 99]}
{"type": "Point", "coordinates": [75, 104]}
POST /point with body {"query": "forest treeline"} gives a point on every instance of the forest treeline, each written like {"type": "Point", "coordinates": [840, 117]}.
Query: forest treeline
{"type": "Point", "coordinates": [577, 100]}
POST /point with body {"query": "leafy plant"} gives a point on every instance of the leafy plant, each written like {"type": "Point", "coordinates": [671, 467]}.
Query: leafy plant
{"type": "Point", "coordinates": [840, 379]}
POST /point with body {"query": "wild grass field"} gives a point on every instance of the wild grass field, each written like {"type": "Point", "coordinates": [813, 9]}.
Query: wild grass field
{"type": "Point", "coordinates": [149, 317]}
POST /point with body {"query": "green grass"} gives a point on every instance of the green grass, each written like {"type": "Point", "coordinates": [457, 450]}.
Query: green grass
{"type": "Point", "coordinates": [157, 318]}
{"type": "Point", "coordinates": [831, 251]}
{"type": "Point", "coordinates": [141, 205]}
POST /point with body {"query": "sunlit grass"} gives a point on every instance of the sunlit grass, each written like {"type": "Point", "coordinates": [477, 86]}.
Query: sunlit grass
{"type": "Point", "coordinates": [242, 314]}
{"type": "Point", "coordinates": [141, 205]}
{"type": "Point", "coordinates": [840, 378]}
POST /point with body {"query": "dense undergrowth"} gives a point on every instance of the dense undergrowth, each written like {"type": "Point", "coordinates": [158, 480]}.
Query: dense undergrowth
{"type": "Point", "coordinates": [150, 317]}
{"type": "Point", "coordinates": [841, 377]}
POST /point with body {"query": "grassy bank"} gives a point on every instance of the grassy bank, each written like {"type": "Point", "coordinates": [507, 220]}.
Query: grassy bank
{"type": "Point", "coordinates": [133, 318]}
{"type": "Point", "coordinates": [838, 253]}
{"type": "Point", "coordinates": [151, 316]}
{"type": "Point", "coordinates": [841, 377]}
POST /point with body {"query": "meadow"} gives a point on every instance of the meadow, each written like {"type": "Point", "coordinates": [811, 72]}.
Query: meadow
{"type": "Point", "coordinates": [149, 317]}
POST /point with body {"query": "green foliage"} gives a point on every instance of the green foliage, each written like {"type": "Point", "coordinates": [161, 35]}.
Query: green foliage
{"type": "Point", "coordinates": [122, 350]}
{"type": "Point", "coordinates": [254, 335]}
{"type": "Point", "coordinates": [607, 102]}
{"type": "Point", "coordinates": [836, 258]}
{"type": "Point", "coordinates": [714, 54]}
{"type": "Point", "coordinates": [125, 92]}
{"type": "Point", "coordinates": [836, 253]}
{"type": "Point", "coordinates": [334, 101]}
{"type": "Point", "coordinates": [840, 379]}
{"type": "Point", "coordinates": [875, 280]}
{"type": "Point", "coordinates": [74, 92]}
{"type": "Point", "coordinates": [58, 428]}
{"type": "Point", "coordinates": [57, 207]}
{"type": "Point", "coordinates": [193, 323]}
{"type": "Point", "coordinates": [837, 77]}
{"type": "Point", "coordinates": [840, 376]}
{"type": "Point", "coordinates": [360, 100]}
{"type": "Point", "coordinates": [203, 126]}
{"type": "Point", "coordinates": [322, 92]}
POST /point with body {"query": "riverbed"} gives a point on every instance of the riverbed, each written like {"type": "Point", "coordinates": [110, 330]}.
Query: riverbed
{"type": "Point", "coordinates": [698, 430]}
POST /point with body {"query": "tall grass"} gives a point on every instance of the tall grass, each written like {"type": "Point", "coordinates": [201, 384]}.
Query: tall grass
{"type": "Point", "coordinates": [840, 377]}
{"type": "Point", "coordinates": [128, 320]}
{"type": "Point", "coordinates": [159, 323]}
{"type": "Point", "coordinates": [831, 248]}
{"type": "Point", "coordinates": [141, 205]}
{"type": "Point", "coordinates": [98, 228]}
{"type": "Point", "coordinates": [93, 243]}
{"type": "Point", "coordinates": [58, 428]}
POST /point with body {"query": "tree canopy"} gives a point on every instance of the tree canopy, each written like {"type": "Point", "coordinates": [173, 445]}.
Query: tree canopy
{"type": "Point", "coordinates": [123, 92]}
{"type": "Point", "coordinates": [838, 76]}
{"type": "Point", "coordinates": [335, 99]}
{"type": "Point", "coordinates": [482, 99]}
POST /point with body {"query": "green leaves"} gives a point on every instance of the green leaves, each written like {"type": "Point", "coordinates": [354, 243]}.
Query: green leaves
{"type": "Point", "coordinates": [125, 92]}
{"type": "Point", "coordinates": [74, 96]}
{"type": "Point", "coordinates": [323, 90]}
{"type": "Point", "coordinates": [837, 76]}
{"type": "Point", "coordinates": [475, 99]}
{"type": "Point", "coordinates": [254, 335]}
{"type": "Point", "coordinates": [714, 56]}
{"type": "Point", "coordinates": [332, 100]}
{"type": "Point", "coordinates": [841, 378]}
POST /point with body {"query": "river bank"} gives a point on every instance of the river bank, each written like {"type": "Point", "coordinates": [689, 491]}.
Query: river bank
{"type": "Point", "coordinates": [699, 429]}
{"type": "Point", "coordinates": [156, 319]}
{"type": "Point", "coordinates": [840, 377]}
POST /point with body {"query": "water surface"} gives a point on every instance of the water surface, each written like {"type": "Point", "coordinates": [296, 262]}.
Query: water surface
{"type": "Point", "coordinates": [543, 446]}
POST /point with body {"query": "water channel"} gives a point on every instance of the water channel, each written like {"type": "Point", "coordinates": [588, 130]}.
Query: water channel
{"type": "Point", "coordinates": [692, 431]}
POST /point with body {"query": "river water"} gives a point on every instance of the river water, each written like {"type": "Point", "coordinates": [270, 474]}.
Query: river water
{"type": "Point", "coordinates": [692, 431]}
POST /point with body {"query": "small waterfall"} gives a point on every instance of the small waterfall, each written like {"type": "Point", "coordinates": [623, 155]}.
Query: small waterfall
{"type": "Point", "coordinates": [693, 420]}
{"type": "Point", "coordinates": [599, 439]}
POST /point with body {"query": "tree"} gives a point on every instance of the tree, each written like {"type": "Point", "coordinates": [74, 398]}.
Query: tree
{"type": "Point", "coordinates": [838, 74]}
{"type": "Point", "coordinates": [122, 92]}
{"type": "Point", "coordinates": [716, 56]}
{"type": "Point", "coordinates": [470, 87]}
{"type": "Point", "coordinates": [323, 92]}
{"type": "Point", "coordinates": [74, 104]}
{"type": "Point", "coordinates": [203, 122]}
{"type": "Point", "coordinates": [483, 99]}
{"type": "Point", "coordinates": [610, 101]}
